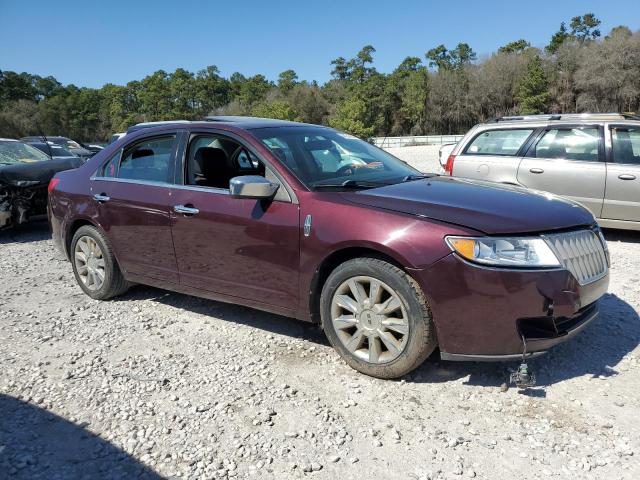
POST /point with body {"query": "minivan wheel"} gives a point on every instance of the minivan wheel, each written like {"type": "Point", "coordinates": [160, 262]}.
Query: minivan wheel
{"type": "Point", "coordinates": [94, 265]}
{"type": "Point", "coordinates": [377, 318]}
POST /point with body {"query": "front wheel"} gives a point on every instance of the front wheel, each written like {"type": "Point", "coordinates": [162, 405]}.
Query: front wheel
{"type": "Point", "coordinates": [377, 318]}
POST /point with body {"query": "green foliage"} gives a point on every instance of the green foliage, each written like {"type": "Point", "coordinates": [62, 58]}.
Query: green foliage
{"type": "Point", "coordinates": [445, 59]}
{"type": "Point", "coordinates": [578, 71]}
{"type": "Point", "coordinates": [349, 117]}
{"type": "Point", "coordinates": [532, 93]}
{"type": "Point", "coordinates": [585, 27]}
{"type": "Point", "coordinates": [557, 39]}
{"type": "Point", "coordinates": [518, 46]}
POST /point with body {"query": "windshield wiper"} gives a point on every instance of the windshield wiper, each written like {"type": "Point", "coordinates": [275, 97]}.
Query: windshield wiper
{"type": "Point", "coordinates": [411, 178]}
{"type": "Point", "coordinates": [352, 184]}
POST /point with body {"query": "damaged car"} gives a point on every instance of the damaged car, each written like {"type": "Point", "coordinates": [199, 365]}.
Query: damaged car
{"type": "Point", "coordinates": [312, 223]}
{"type": "Point", "coordinates": [25, 173]}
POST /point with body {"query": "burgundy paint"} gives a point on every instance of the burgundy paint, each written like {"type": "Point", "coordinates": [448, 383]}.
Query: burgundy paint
{"type": "Point", "coordinates": [254, 253]}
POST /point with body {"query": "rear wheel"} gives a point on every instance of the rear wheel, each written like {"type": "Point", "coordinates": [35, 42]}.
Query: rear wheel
{"type": "Point", "coordinates": [94, 265]}
{"type": "Point", "coordinates": [377, 318]}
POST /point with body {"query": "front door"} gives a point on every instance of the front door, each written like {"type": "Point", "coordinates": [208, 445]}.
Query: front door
{"type": "Point", "coordinates": [567, 161]}
{"type": "Point", "coordinates": [243, 248]}
{"type": "Point", "coordinates": [622, 195]}
{"type": "Point", "coordinates": [132, 191]}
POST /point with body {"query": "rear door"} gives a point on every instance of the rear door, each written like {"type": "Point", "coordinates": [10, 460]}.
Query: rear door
{"type": "Point", "coordinates": [568, 161]}
{"type": "Point", "coordinates": [622, 194]}
{"type": "Point", "coordinates": [132, 191]}
{"type": "Point", "coordinates": [493, 155]}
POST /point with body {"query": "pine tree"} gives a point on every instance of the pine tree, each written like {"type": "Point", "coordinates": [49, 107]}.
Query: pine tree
{"type": "Point", "coordinates": [532, 94]}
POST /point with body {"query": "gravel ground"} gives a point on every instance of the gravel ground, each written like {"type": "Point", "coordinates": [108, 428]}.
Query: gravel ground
{"type": "Point", "coordinates": [157, 384]}
{"type": "Point", "coordinates": [422, 157]}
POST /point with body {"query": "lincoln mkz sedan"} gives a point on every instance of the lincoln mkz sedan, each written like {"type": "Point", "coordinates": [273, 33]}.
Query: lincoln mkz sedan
{"type": "Point", "coordinates": [308, 222]}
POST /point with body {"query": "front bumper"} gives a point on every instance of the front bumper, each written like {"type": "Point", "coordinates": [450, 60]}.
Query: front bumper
{"type": "Point", "coordinates": [482, 314]}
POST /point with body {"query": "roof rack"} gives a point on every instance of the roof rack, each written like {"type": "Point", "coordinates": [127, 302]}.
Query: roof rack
{"type": "Point", "coordinates": [568, 116]}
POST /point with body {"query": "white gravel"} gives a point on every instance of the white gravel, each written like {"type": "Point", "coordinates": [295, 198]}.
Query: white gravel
{"type": "Point", "coordinates": [422, 157]}
{"type": "Point", "coordinates": [157, 384]}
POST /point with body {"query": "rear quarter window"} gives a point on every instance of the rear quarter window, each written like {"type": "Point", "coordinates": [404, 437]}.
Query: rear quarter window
{"type": "Point", "coordinates": [498, 142]}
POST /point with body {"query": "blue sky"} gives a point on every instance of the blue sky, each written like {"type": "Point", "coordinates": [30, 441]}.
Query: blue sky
{"type": "Point", "coordinates": [90, 43]}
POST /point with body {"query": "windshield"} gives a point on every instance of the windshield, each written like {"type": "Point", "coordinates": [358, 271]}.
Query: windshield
{"type": "Point", "coordinates": [325, 158]}
{"type": "Point", "coordinates": [18, 152]}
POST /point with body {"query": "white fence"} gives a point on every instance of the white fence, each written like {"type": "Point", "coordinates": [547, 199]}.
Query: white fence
{"type": "Point", "coordinates": [390, 142]}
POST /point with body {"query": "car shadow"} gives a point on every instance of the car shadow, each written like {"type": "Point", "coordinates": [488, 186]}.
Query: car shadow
{"type": "Point", "coordinates": [35, 443]}
{"type": "Point", "coordinates": [33, 231]}
{"type": "Point", "coordinates": [229, 312]}
{"type": "Point", "coordinates": [595, 352]}
{"type": "Point", "coordinates": [630, 236]}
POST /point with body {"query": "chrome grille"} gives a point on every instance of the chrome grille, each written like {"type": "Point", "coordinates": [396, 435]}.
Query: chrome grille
{"type": "Point", "coordinates": [581, 252]}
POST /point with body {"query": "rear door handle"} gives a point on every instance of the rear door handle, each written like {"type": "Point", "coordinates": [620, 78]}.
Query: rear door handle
{"type": "Point", "coordinates": [185, 210]}
{"type": "Point", "coordinates": [626, 176]}
{"type": "Point", "coordinates": [536, 170]}
{"type": "Point", "coordinates": [101, 197]}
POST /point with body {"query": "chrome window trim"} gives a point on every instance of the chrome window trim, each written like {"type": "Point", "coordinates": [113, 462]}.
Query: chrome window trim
{"type": "Point", "coordinates": [151, 183]}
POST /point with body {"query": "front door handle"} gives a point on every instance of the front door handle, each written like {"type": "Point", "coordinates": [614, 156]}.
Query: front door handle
{"type": "Point", "coordinates": [626, 176]}
{"type": "Point", "coordinates": [536, 170]}
{"type": "Point", "coordinates": [101, 197]}
{"type": "Point", "coordinates": [185, 210]}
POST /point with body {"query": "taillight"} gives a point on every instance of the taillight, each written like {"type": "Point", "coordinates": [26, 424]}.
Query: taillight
{"type": "Point", "coordinates": [52, 184]}
{"type": "Point", "coordinates": [449, 166]}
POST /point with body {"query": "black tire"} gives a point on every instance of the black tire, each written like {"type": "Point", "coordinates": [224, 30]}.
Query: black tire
{"type": "Point", "coordinates": [421, 340]}
{"type": "Point", "coordinates": [114, 283]}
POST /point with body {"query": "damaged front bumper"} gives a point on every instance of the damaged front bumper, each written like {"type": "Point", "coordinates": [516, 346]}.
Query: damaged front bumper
{"type": "Point", "coordinates": [19, 204]}
{"type": "Point", "coordinates": [23, 188]}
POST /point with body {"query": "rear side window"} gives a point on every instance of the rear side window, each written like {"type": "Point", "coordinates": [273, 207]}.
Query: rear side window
{"type": "Point", "coordinates": [626, 145]}
{"type": "Point", "coordinates": [570, 144]}
{"type": "Point", "coordinates": [148, 160]}
{"type": "Point", "coordinates": [499, 142]}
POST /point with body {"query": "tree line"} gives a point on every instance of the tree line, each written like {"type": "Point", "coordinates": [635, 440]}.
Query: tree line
{"type": "Point", "coordinates": [446, 92]}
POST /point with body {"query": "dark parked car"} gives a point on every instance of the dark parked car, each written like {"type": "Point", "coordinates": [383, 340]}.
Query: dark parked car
{"type": "Point", "coordinates": [312, 223]}
{"type": "Point", "coordinates": [53, 150]}
{"type": "Point", "coordinates": [71, 145]}
{"type": "Point", "coordinates": [24, 174]}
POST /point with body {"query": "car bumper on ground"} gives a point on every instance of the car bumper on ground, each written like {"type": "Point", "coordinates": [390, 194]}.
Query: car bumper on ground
{"type": "Point", "coordinates": [483, 314]}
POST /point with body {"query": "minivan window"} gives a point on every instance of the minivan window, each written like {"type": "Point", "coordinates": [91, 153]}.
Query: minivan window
{"type": "Point", "coordinates": [499, 142]}
{"type": "Point", "coordinates": [148, 160]}
{"type": "Point", "coordinates": [626, 145]}
{"type": "Point", "coordinates": [569, 144]}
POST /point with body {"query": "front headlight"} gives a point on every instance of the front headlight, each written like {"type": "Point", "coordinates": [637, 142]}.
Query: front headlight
{"type": "Point", "coordinates": [532, 252]}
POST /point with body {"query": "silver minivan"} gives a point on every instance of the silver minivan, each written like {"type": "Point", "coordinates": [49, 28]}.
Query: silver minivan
{"type": "Point", "coordinates": [593, 159]}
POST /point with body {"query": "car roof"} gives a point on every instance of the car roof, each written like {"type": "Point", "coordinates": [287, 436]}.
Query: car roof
{"type": "Point", "coordinates": [8, 140]}
{"type": "Point", "coordinates": [241, 122]}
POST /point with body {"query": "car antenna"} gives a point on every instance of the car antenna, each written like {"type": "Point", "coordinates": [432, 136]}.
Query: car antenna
{"type": "Point", "coordinates": [46, 142]}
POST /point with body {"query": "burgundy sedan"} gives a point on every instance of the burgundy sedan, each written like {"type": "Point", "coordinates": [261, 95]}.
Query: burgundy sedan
{"type": "Point", "coordinates": [312, 223]}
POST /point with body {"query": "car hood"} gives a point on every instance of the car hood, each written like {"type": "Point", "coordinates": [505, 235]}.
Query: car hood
{"type": "Point", "coordinates": [490, 208]}
{"type": "Point", "coordinates": [35, 173]}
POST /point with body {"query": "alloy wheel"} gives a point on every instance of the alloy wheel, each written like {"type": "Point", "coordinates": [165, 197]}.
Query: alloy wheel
{"type": "Point", "coordinates": [369, 319]}
{"type": "Point", "coordinates": [89, 261]}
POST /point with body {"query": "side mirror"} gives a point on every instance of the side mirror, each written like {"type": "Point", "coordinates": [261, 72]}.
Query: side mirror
{"type": "Point", "coordinates": [252, 186]}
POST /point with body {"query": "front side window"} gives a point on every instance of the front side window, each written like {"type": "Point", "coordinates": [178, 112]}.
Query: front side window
{"type": "Point", "coordinates": [570, 144]}
{"type": "Point", "coordinates": [321, 157]}
{"type": "Point", "coordinates": [149, 160]}
{"type": "Point", "coordinates": [213, 160]}
{"type": "Point", "coordinates": [499, 142]}
{"type": "Point", "coordinates": [626, 145]}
